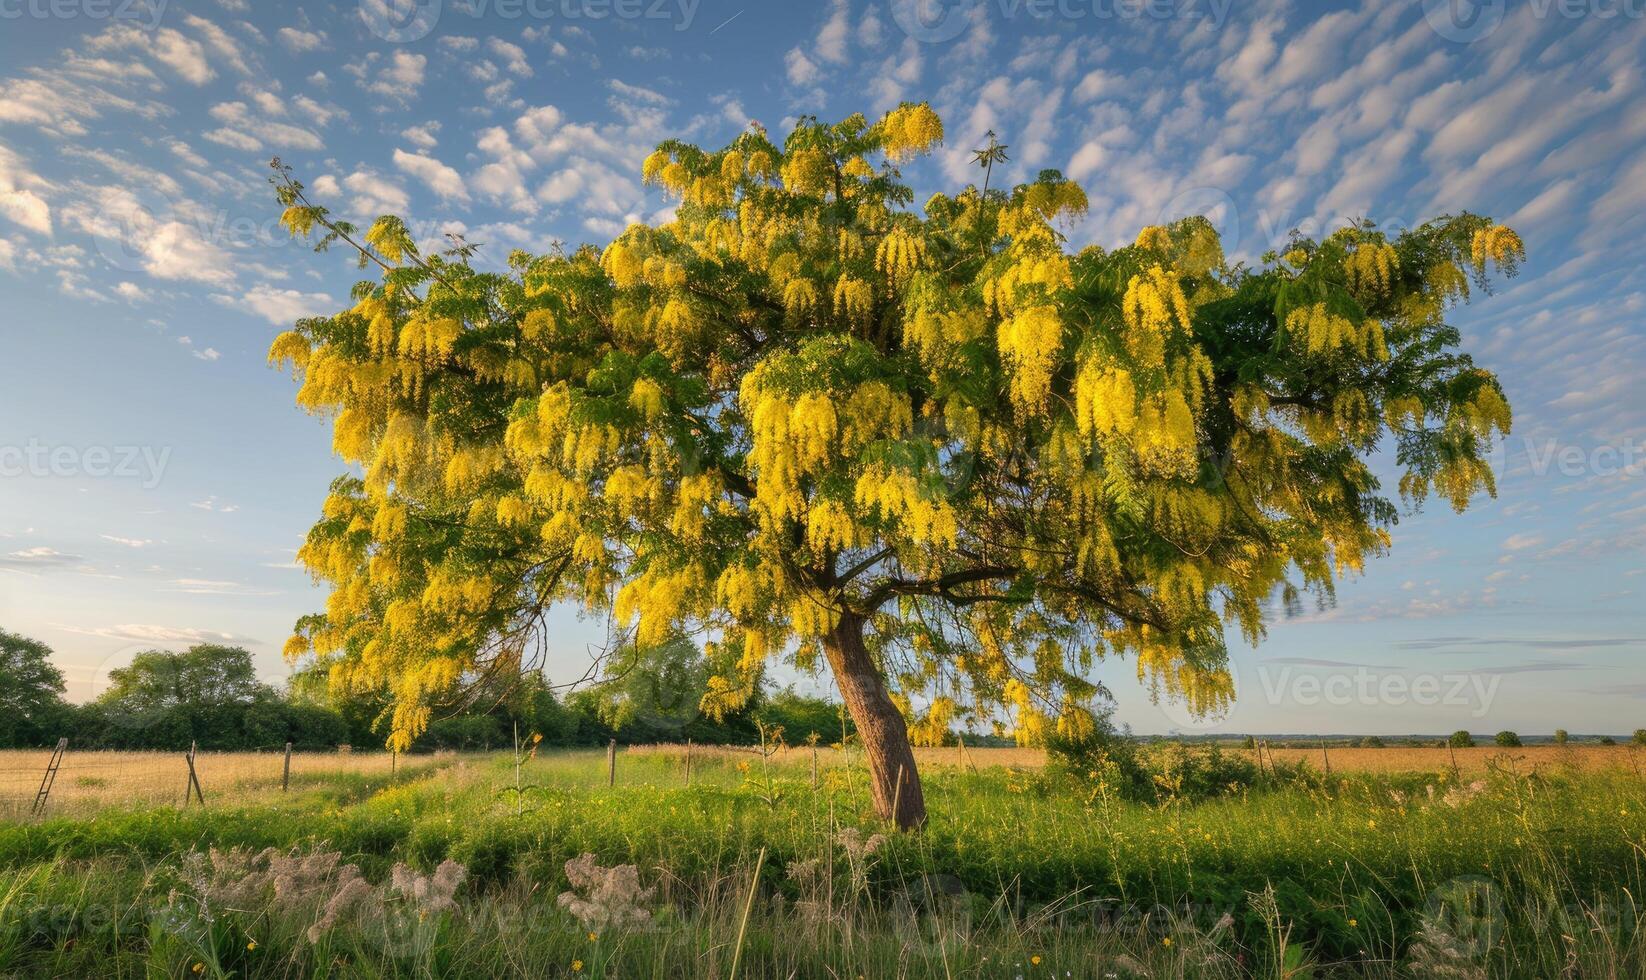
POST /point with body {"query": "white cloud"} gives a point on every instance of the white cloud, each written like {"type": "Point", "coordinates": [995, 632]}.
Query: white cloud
{"type": "Point", "coordinates": [400, 79]}
{"type": "Point", "coordinates": [366, 194]}
{"type": "Point", "coordinates": [178, 251]}
{"type": "Point", "coordinates": [128, 542]}
{"type": "Point", "coordinates": [441, 179]}
{"type": "Point", "coordinates": [32, 558]}
{"type": "Point", "coordinates": [281, 307]}
{"type": "Point", "coordinates": [184, 55]}
{"type": "Point", "coordinates": [160, 635]}
{"type": "Point", "coordinates": [301, 42]}
{"type": "Point", "coordinates": [212, 504]}
{"type": "Point", "coordinates": [422, 136]}
{"type": "Point", "coordinates": [832, 39]}
{"type": "Point", "coordinates": [638, 93]}
{"type": "Point", "coordinates": [18, 198]}
{"type": "Point", "coordinates": [514, 57]}
{"type": "Point", "coordinates": [802, 70]}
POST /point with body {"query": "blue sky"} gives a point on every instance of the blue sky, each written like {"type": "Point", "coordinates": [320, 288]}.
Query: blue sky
{"type": "Point", "coordinates": [155, 477]}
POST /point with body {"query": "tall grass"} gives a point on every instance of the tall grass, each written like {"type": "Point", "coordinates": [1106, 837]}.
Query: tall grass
{"type": "Point", "coordinates": [1511, 872]}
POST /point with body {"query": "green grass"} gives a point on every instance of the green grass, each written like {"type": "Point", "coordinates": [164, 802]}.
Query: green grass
{"type": "Point", "coordinates": [1522, 876]}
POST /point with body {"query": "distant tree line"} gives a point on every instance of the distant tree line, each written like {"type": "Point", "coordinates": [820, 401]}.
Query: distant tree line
{"type": "Point", "coordinates": [209, 695]}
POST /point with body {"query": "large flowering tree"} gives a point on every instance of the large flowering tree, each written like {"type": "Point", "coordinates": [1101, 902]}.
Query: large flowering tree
{"type": "Point", "coordinates": [931, 446]}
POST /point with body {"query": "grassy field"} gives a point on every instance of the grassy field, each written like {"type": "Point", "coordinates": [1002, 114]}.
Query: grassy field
{"type": "Point", "coordinates": [1522, 863]}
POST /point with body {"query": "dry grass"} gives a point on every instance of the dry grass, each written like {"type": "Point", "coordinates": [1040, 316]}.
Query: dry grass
{"type": "Point", "coordinates": [1585, 758]}
{"type": "Point", "coordinates": [92, 780]}
{"type": "Point", "coordinates": [802, 755]}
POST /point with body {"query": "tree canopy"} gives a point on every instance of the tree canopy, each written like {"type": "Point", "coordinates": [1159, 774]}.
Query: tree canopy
{"type": "Point", "coordinates": [935, 446]}
{"type": "Point", "coordinates": [31, 689]}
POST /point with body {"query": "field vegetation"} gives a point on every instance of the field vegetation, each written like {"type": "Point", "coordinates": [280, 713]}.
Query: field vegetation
{"type": "Point", "coordinates": [1177, 860]}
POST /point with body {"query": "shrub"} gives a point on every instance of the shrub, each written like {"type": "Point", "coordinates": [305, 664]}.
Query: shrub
{"type": "Point", "coordinates": [1560, 736]}
{"type": "Point", "coordinates": [1461, 740]}
{"type": "Point", "coordinates": [1507, 739]}
{"type": "Point", "coordinates": [1640, 736]}
{"type": "Point", "coordinates": [1369, 742]}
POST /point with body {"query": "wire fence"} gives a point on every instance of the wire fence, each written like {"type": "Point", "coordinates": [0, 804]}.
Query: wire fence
{"type": "Point", "coordinates": [95, 779]}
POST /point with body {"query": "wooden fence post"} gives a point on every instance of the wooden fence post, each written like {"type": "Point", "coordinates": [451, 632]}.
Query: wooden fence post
{"type": "Point", "coordinates": [611, 763]}
{"type": "Point", "coordinates": [1327, 759]}
{"type": "Point", "coordinates": [285, 774]}
{"type": "Point", "coordinates": [194, 778]}
{"type": "Point", "coordinates": [688, 762]}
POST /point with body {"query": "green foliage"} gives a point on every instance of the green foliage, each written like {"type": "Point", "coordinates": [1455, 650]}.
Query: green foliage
{"type": "Point", "coordinates": [1560, 736]}
{"type": "Point", "coordinates": [1640, 736]}
{"type": "Point", "coordinates": [802, 716]}
{"type": "Point", "coordinates": [31, 692]}
{"type": "Point", "coordinates": [1461, 739]}
{"type": "Point", "coordinates": [1507, 739]}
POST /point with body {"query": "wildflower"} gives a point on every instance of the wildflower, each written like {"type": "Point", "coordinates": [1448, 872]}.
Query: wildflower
{"type": "Point", "coordinates": [577, 966]}
{"type": "Point", "coordinates": [251, 945]}
{"type": "Point", "coordinates": [199, 967]}
{"type": "Point", "coordinates": [1035, 959]}
{"type": "Point", "coordinates": [1166, 941]}
{"type": "Point", "coordinates": [1353, 923]}
{"type": "Point", "coordinates": [594, 937]}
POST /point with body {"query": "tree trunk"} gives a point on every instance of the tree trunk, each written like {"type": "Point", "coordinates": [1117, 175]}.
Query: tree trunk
{"type": "Point", "coordinates": [892, 774]}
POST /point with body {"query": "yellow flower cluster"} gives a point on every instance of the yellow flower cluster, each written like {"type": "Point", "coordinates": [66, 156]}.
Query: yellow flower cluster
{"type": "Point", "coordinates": [1322, 331]}
{"type": "Point", "coordinates": [1370, 268]}
{"type": "Point", "coordinates": [1153, 239]}
{"type": "Point", "coordinates": [807, 171]}
{"type": "Point", "coordinates": [1154, 302]}
{"type": "Point", "coordinates": [899, 255]}
{"type": "Point", "coordinates": [1030, 342]}
{"type": "Point", "coordinates": [853, 300]}
{"type": "Point", "coordinates": [898, 498]}
{"type": "Point", "coordinates": [1499, 244]}
{"type": "Point", "coordinates": [910, 130]}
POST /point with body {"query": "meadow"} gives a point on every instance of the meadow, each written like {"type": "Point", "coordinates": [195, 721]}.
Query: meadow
{"type": "Point", "coordinates": [1515, 863]}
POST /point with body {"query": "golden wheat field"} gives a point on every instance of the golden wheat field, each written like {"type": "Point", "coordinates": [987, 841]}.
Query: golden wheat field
{"type": "Point", "coordinates": [1584, 758]}
{"type": "Point", "coordinates": [92, 780]}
